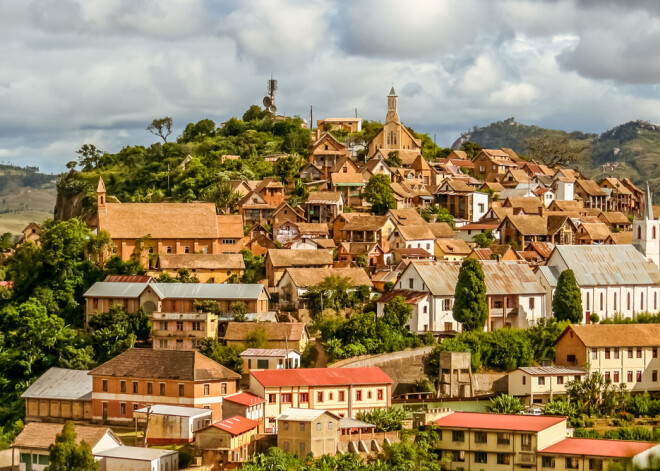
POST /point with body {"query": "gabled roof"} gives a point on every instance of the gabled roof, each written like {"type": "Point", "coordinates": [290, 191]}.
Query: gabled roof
{"type": "Point", "coordinates": [552, 370]}
{"type": "Point", "coordinates": [529, 204]}
{"type": "Point", "coordinates": [593, 231]}
{"type": "Point", "coordinates": [245, 398]}
{"type": "Point", "coordinates": [321, 377]}
{"type": "Point", "coordinates": [295, 414]}
{"type": "Point", "coordinates": [353, 179]}
{"type": "Point", "coordinates": [275, 331]}
{"type": "Point", "coordinates": [61, 383]}
{"type": "Point", "coordinates": [528, 225]}
{"type": "Point", "coordinates": [420, 232]}
{"type": "Point", "coordinates": [324, 197]}
{"type": "Point", "coordinates": [453, 246]}
{"type": "Point", "coordinates": [183, 365]}
{"type": "Point", "coordinates": [616, 335]}
{"type": "Point", "coordinates": [160, 220]}
{"type": "Point", "coordinates": [544, 249]}
{"type": "Point", "coordinates": [598, 447]}
{"type": "Point", "coordinates": [42, 435]}
{"type": "Point", "coordinates": [614, 217]}
{"type": "Point", "coordinates": [492, 252]}
{"type": "Point", "coordinates": [208, 290]}
{"type": "Point", "coordinates": [449, 185]}
{"type": "Point", "coordinates": [406, 217]}
{"type": "Point", "coordinates": [303, 277]}
{"type": "Point", "coordinates": [236, 425]}
{"type": "Point", "coordinates": [201, 261]}
{"type": "Point", "coordinates": [410, 296]}
{"type": "Point", "coordinates": [620, 238]}
{"type": "Point", "coordinates": [607, 265]}
{"type": "Point", "coordinates": [268, 352]}
{"type": "Point", "coordinates": [489, 421]}
{"type": "Point", "coordinates": [283, 258]}
{"type": "Point", "coordinates": [366, 223]}
{"type": "Point", "coordinates": [360, 248]}
{"type": "Point", "coordinates": [442, 230]}
{"type": "Point", "coordinates": [590, 187]}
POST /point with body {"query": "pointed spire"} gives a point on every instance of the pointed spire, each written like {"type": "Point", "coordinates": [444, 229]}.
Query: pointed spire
{"type": "Point", "coordinates": [101, 187]}
{"type": "Point", "coordinates": [392, 92]}
{"type": "Point", "coordinates": [648, 204]}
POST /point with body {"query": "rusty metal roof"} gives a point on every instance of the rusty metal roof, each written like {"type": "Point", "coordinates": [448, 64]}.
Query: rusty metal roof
{"type": "Point", "coordinates": [606, 265]}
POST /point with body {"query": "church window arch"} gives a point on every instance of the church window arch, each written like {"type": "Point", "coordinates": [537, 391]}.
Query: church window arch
{"type": "Point", "coordinates": [639, 232]}
{"type": "Point", "coordinates": [653, 233]}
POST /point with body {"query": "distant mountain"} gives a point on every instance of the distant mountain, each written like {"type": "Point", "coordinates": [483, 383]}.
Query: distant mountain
{"type": "Point", "coordinates": [26, 195]}
{"type": "Point", "coordinates": [629, 150]}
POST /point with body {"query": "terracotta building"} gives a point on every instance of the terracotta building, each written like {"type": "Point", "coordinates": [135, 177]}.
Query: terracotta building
{"type": "Point", "coordinates": [394, 135]}
{"type": "Point", "coordinates": [141, 377]}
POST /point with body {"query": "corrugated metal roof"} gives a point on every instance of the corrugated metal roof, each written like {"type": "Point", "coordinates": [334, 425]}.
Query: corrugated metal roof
{"type": "Point", "coordinates": [500, 277]}
{"type": "Point", "coordinates": [135, 453]}
{"type": "Point", "coordinates": [607, 265]}
{"type": "Point", "coordinates": [551, 274]}
{"type": "Point", "coordinates": [208, 290]}
{"type": "Point", "coordinates": [302, 415]}
{"type": "Point", "coordinates": [112, 289]}
{"type": "Point", "coordinates": [348, 422]}
{"type": "Point", "coordinates": [268, 352]}
{"type": "Point", "coordinates": [161, 409]}
{"type": "Point", "coordinates": [61, 383]}
{"type": "Point", "coordinates": [551, 370]}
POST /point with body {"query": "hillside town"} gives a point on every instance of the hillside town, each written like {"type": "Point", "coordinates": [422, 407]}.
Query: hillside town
{"type": "Point", "coordinates": [477, 311]}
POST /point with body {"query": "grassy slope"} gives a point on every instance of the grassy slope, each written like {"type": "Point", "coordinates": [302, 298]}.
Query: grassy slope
{"type": "Point", "coordinates": [21, 205]}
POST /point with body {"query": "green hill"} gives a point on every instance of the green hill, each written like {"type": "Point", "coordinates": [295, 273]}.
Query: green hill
{"type": "Point", "coordinates": [629, 150]}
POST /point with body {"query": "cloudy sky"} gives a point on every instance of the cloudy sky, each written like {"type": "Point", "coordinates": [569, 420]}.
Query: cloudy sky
{"type": "Point", "coordinates": [98, 71]}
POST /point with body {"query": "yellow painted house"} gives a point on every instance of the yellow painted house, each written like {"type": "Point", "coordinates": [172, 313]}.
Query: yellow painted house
{"type": "Point", "coordinates": [228, 441]}
{"type": "Point", "coordinates": [208, 268]}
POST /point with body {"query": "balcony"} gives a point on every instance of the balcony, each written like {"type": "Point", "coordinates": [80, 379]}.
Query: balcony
{"type": "Point", "coordinates": [526, 458]}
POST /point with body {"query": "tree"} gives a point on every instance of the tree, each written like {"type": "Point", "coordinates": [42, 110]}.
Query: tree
{"type": "Point", "coordinates": [470, 307]}
{"type": "Point", "coordinates": [505, 404]}
{"type": "Point", "coordinates": [287, 168]}
{"type": "Point", "coordinates": [161, 127]}
{"type": "Point", "coordinates": [567, 301]}
{"type": "Point", "coordinates": [223, 195]}
{"type": "Point", "coordinates": [385, 420]}
{"type": "Point", "coordinates": [89, 156]}
{"type": "Point", "coordinates": [258, 338]}
{"type": "Point", "coordinates": [379, 193]}
{"type": "Point", "coordinates": [226, 355]}
{"type": "Point", "coordinates": [117, 330]}
{"type": "Point", "coordinates": [553, 149]}
{"type": "Point", "coordinates": [397, 313]}
{"type": "Point", "coordinates": [67, 455]}
{"type": "Point", "coordinates": [6, 242]}
{"type": "Point", "coordinates": [484, 239]}
{"type": "Point", "coordinates": [393, 159]}
{"type": "Point", "coordinates": [471, 149]}
{"type": "Point", "coordinates": [239, 309]}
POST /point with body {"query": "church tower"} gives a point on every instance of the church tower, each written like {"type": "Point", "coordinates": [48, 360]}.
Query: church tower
{"type": "Point", "coordinates": [100, 196]}
{"type": "Point", "coordinates": [646, 231]}
{"type": "Point", "coordinates": [392, 113]}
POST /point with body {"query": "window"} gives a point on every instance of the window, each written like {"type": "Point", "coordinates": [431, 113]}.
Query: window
{"type": "Point", "coordinates": [135, 406]}
{"type": "Point", "coordinates": [503, 438]}
{"type": "Point", "coordinates": [319, 396]}
{"type": "Point", "coordinates": [329, 425]}
{"type": "Point", "coordinates": [654, 376]}
{"type": "Point", "coordinates": [607, 376]}
{"type": "Point", "coordinates": [639, 353]}
{"type": "Point", "coordinates": [548, 461]}
{"type": "Point", "coordinates": [162, 388]}
{"type": "Point", "coordinates": [104, 385]}
{"type": "Point", "coordinates": [379, 394]}
{"type": "Point", "coordinates": [524, 379]}
{"type": "Point", "coordinates": [601, 300]}
{"type": "Point", "coordinates": [179, 326]}
{"type": "Point", "coordinates": [368, 395]}
{"type": "Point", "coordinates": [639, 376]}
{"type": "Point", "coordinates": [96, 302]}
{"type": "Point", "coordinates": [341, 396]}
{"type": "Point", "coordinates": [641, 301]}
{"type": "Point", "coordinates": [358, 395]}
{"type": "Point", "coordinates": [588, 308]}
{"type": "Point", "coordinates": [318, 426]}
{"type": "Point", "coordinates": [526, 441]}
{"type": "Point", "coordinates": [228, 241]}
{"type": "Point", "coordinates": [614, 302]}
{"type": "Point", "coordinates": [458, 435]}
{"type": "Point", "coordinates": [122, 386]}
{"type": "Point", "coordinates": [207, 389]}
{"type": "Point", "coordinates": [629, 376]}
{"type": "Point", "coordinates": [223, 388]}
{"type": "Point", "coordinates": [186, 249]}
{"type": "Point", "coordinates": [541, 380]}
{"type": "Point", "coordinates": [616, 353]}
{"type": "Point", "coordinates": [531, 303]}
{"type": "Point", "coordinates": [262, 364]}
{"type": "Point", "coordinates": [630, 353]}
{"type": "Point", "coordinates": [480, 437]}
{"type": "Point", "coordinates": [272, 398]}
{"type": "Point", "coordinates": [122, 408]}
{"type": "Point", "coordinates": [481, 457]}
{"type": "Point", "coordinates": [655, 352]}
{"type": "Point", "coordinates": [285, 425]}
{"type": "Point", "coordinates": [446, 305]}
{"type": "Point", "coordinates": [302, 448]}
{"type": "Point", "coordinates": [303, 397]}
{"type": "Point", "coordinates": [302, 426]}
{"type": "Point", "coordinates": [135, 387]}
{"type": "Point", "coordinates": [572, 463]}
{"type": "Point", "coordinates": [616, 376]}
{"type": "Point", "coordinates": [503, 458]}
{"type": "Point", "coordinates": [570, 359]}
{"type": "Point", "coordinates": [595, 464]}
{"type": "Point", "coordinates": [181, 390]}
{"type": "Point", "coordinates": [150, 388]}
{"type": "Point", "coordinates": [197, 325]}
{"type": "Point", "coordinates": [286, 446]}
{"type": "Point", "coordinates": [594, 354]}
{"type": "Point", "coordinates": [162, 343]}
{"type": "Point", "coordinates": [162, 325]}
{"type": "Point", "coordinates": [169, 250]}
{"type": "Point", "coordinates": [607, 353]}
{"type": "Point", "coordinates": [179, 344]}
{"type": "Point", "coordinates": [560, 380]}
{"type": "Point", "coordinates": [411, 283]}
{"type": "Point", "coordinates": [628, 299]}
{"type": "Point", "coordinates": [286, 398]}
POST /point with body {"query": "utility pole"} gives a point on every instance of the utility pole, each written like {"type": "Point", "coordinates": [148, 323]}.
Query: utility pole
{"type": "Point", "coordinates": [311, 118]}
{"type": "Point", "coordinates": [168, 179]}
{"type": "Point", "coordinates": [356, 112]}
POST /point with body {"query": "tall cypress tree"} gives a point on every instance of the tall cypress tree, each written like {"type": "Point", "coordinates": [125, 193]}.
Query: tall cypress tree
{"type": "Point", "coordinates": [567, 302]}
{"type": "Point", "coordinates": [67, 455]}
{"type": "Point", "coordinates": [470, 307]}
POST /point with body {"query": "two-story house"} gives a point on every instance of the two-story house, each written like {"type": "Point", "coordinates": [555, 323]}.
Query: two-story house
{"type": "Point", "coordinates": [541, 384]}
{"type": "Point", "coordinates": [141, 377]}
{"type": "Point", "coordinates": [622, 353]}
{"type": "Point", "coordinates": [343, 391]}
{"type": "Point", "coordinates": [461, 200]}
{"type": "Point", "coordinates": [278, 260]}
{"type": "Point", "coordinates": [304, 431]}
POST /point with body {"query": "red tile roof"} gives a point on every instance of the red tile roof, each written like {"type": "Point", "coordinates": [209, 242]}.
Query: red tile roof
{"type": "Point", "coordinates": [525, 423]}
{"type": "Point", "coordinates": [598, 447]}
{"type": "Point", "coordinates": [236, 425]}
{"type": "Point", "coordinates": [321, 376]}
{"type": "Point", "coordinates": [244, 398]}
{"type": "Point", "coordinates": [128, 278]}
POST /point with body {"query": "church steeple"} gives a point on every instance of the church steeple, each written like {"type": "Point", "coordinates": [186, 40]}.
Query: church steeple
{"type": "Point", "coordinates": [648, 204]}
{"type": "Point", "coordinates": [100, 196]}
{"type": "Point", "coordinates": [392, 112]}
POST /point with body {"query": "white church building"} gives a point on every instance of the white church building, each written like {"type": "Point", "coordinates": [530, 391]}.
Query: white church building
{"type": "Point", "coordinates": [646, 232]}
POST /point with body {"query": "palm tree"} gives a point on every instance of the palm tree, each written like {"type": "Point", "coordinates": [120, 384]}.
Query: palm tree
{"type": "Point", "coordinates": [505, 404]}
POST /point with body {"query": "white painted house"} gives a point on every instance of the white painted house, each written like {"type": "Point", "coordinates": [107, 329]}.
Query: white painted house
{"type": "Point", "coordinates": [515, 297]}
{"type": "Point", "coordinates": [613, 279]}
{"type": "Point", "coordinates": [419, 301]}
{"type": "Point", "coordinates": [412, 237]}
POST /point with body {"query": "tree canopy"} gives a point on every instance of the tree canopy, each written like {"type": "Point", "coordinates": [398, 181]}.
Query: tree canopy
{"type": "Point", "coordinates": [66, 455]}
{"type": "Point", "coordinates": [379, 194]}
{"type": "Point", "coordinates": [567, 301]}
{"type": "Point", "coordinates": [470, 307]}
